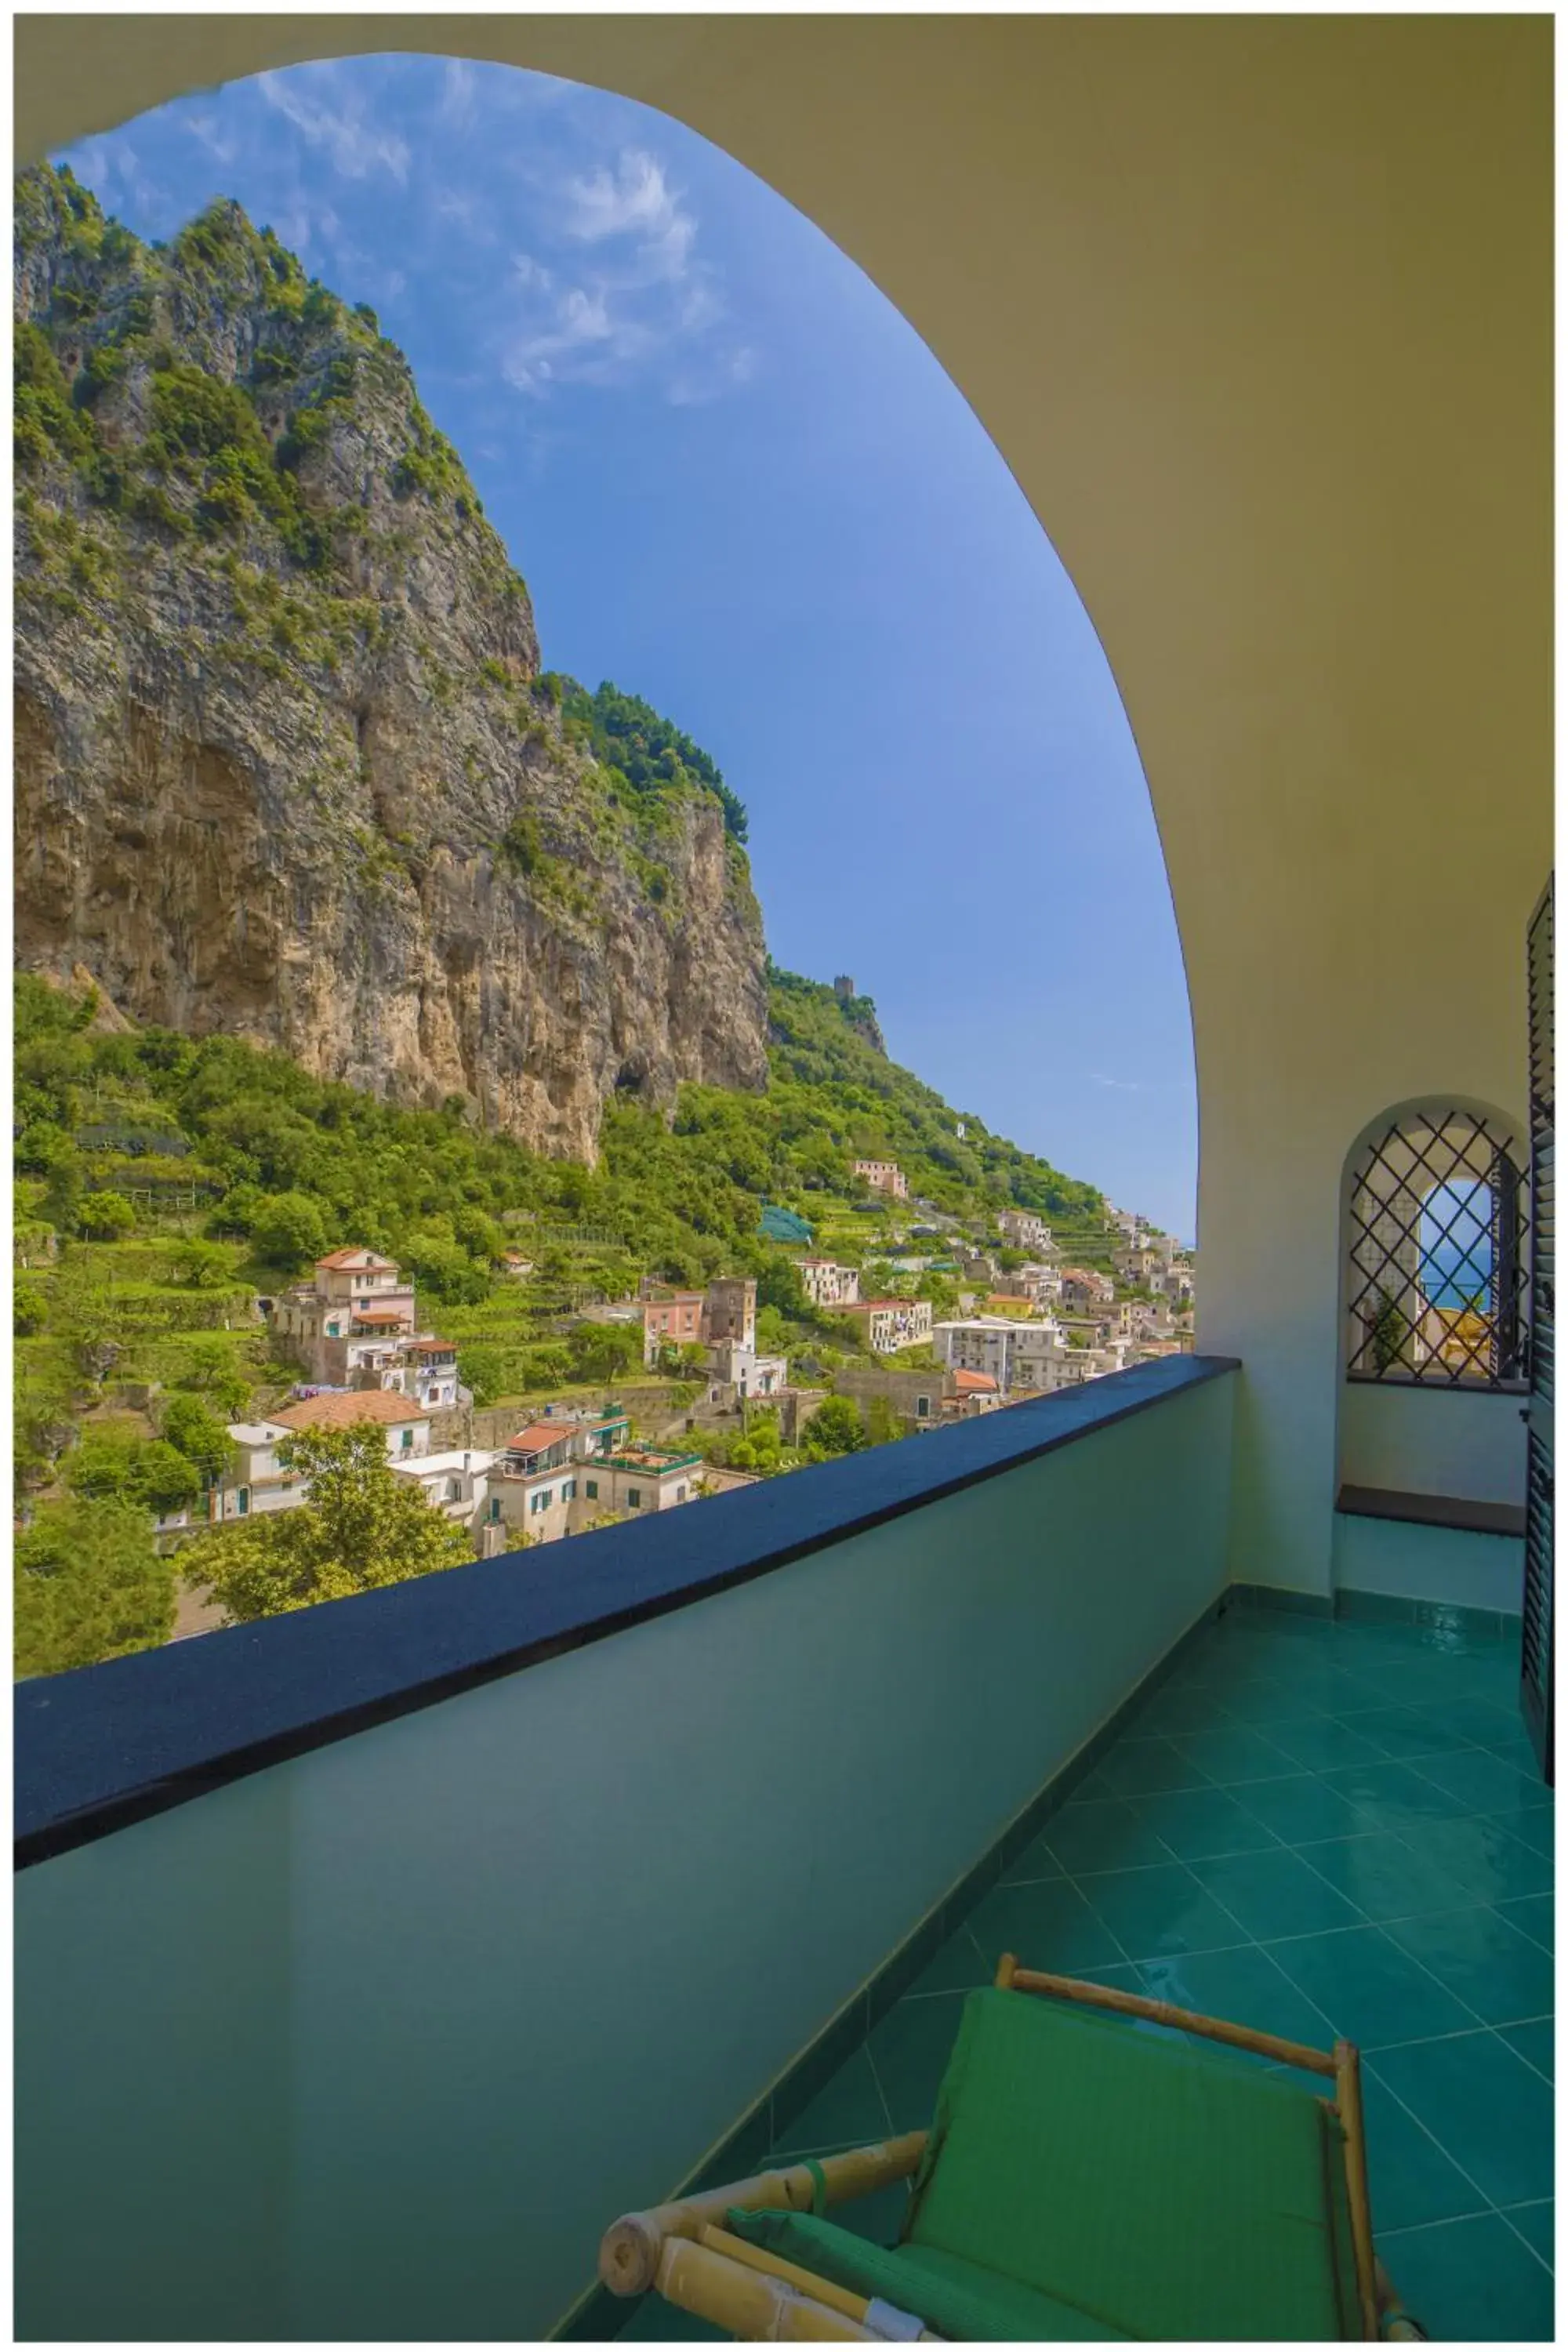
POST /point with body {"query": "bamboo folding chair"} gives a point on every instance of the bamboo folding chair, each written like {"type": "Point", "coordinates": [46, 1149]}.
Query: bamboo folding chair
{"type": "Point", "coordinates": [1019, 2225]}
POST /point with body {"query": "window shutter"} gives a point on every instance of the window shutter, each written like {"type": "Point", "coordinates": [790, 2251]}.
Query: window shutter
{"type": "Point", "coordinates": [1538, 1679]}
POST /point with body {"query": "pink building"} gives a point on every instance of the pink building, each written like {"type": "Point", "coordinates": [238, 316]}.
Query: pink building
{"type": "Point", "coordinates": [884, 1176]}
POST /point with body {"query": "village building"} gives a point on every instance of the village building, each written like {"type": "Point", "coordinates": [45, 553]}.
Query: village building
{"type": "Point", "coordinates": [1144, 1266]}
{"type": "Point", "coordinates": [1083, 1287]}
{"type": "Point", "coordinates": [557, 1476]}
{"type": "Point", "coordinates": [828, 1285]}
{"type": "Point", "coordinates": [979, 1266]}
{"type": "Point", "coordinates": [923, 1400]}
{"type": "Point", "coordinates": [965, 1394]}
{"type": "Point", "coordinates": [1041, 1285]}
{"type": "Point", "coordinates": [884, 1176]}
{"type": "Point", "coordinates": [1021, 1229]}
{"type": "Point", "coordinates": [258, 1480]}
{"type": "Point", "coordinates": [718, 1479]}
{"type": "Point", "coordinates": [886, 1325]}
{"type": "Point", "coordinates": [725, 1312]}
{"type": "Point", "coordinates": [1015, 1355]}
{"type": "Point", "coordinates": [673, 1320]}
{"type": "Point", "coordinates": [730, 1312]}
{"type": "Point", "coordinates": [456, 1482]}
{"type": "Point", "coordinates": [739, 1367]}
{"type": "Point", "coordinates": [356, 1326]}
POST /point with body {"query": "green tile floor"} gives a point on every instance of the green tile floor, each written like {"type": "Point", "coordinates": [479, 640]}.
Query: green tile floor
{"type": "Point", "coordinates": [1317, 1829]}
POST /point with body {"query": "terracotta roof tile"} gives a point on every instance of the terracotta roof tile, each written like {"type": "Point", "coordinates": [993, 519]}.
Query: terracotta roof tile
{"type": "Point", "coordinates": [538, 1434]}
{"type": "Point", "coordinates": [342, 1412]}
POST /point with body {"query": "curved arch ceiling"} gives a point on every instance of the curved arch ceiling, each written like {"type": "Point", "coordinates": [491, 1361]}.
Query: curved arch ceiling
{"type": "Point", "coordinates": [1258, 309]}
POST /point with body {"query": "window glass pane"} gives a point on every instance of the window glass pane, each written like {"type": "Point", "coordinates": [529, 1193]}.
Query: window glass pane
{"type": "Point", "coordinates": [1457, 1246]}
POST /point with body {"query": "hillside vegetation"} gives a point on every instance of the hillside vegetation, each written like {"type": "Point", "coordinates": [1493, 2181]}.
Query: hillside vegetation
{"type": "Point", "coordinates": [343, 922]}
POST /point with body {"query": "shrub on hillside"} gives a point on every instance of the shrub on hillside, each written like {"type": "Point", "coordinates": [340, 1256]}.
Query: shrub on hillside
{"type": "Point", "coordinates": [105, 1216]}
{"type": "Point", "coordinates": [289, 1231]}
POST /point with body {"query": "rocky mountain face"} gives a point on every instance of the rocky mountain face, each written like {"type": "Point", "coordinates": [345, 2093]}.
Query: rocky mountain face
{"type": "Point", "coordinates": [286, 766]}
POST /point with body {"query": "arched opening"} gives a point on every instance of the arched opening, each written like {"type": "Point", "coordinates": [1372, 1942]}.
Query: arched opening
{"type": "Point", "coordinates": [1257, 313]}
{"type": "Point", "coordinates": [1434, 1351]}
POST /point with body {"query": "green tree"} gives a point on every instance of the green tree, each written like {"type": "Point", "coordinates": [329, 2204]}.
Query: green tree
{"type": "Point", "coordinates": [105, 1216]}
{"type": "Point", "coordinates": [208, 1366]}
{"type": "Point", "coordinates": [1390, 1332]}
{"type": "Point", "coordinates": [153, 1473]}
{"type": "Point", "coordinates": [883, 1424]}
{"type": "Point", "coordinates": [835, 1427]}
{"type": "Point", "coordinates": [547, 1367]}
{"type": "Point", "coordinates": [484, 1371]}
{"type": "Point", "coordinates": [102, 1468]}
{"type": "Point", "coordinates": [42, 1147]}
{"type": "Point", "coordinates": [198, 1434]}
{"type": "Point", "coordinates": [289, 1231]}
{"type": "Point", "coordinates": [45, 1429]}
{"type": "Point", "coordinates": [605, 1351]}
{"type": "Point", "coordinates": [87, 1317]}
{"type": "Point", "coordinates": [779, 1285]}
{"type": "Point", "coordinates": [205, 1265]}
{"type": "Point", "coordinates": [88, 1584]}
{"type": "Point", "coordinates": [29, 1309]}
{"type": "Point", "coordinates": [445, 1268]}
{"type": "Point", "coordinates": [363, 1527]}
{"type": "Point", "coordinates": [772, 1331]}
{"type": "Point", "coordinates": [164, 1480]}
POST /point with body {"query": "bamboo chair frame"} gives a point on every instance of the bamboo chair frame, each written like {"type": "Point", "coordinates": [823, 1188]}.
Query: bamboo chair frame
{"type": "Point", "coordinates": [684, 2250]}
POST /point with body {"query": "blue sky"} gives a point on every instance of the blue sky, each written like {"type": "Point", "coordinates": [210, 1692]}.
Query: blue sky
{"type": "Point", "coordinates": [738, 484]}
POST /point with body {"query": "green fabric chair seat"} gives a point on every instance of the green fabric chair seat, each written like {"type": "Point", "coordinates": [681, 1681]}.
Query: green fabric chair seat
{"type": "Point", "coordinates": [1087, 2178]}
{"type": "Point", "coordinates": [955, 2298]}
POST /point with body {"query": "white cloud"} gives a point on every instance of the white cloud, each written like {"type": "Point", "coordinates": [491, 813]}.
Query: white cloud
{"type": "Point", "coordinates": [636, 202]}
{"type": "Point", "coordinates": [622, 294]}
{"type": "Point", "coordinates": [1122, 1085]}
{"type": "Point", "coordinates": [457, 92]}
{"type": "Point", "coordinates": [695, 387]}
{"type": "Point", "coordinates": [357, 146]}
{"type": "Point", "coordinates": [466, 212]}
{"type": "Point", "coordinates": [203, 128]}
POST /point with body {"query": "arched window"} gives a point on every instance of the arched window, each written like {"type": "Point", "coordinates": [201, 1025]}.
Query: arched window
{"type": "Point", "coordinates": [1436, 1276]}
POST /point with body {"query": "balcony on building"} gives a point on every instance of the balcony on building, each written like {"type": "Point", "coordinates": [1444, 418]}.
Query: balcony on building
{"type": "Point", "coordinates": [369, 1960]}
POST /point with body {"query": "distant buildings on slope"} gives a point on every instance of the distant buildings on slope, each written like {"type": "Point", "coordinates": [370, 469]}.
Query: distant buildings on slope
{"type": "Point", "coordinates": [356, 1326]}
{"type": "Point", "coordinates": [884, 1176]}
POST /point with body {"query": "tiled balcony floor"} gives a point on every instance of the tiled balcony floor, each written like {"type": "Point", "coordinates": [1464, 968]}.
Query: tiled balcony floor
{"type": "Point", "coordinates": [1316, 1829]}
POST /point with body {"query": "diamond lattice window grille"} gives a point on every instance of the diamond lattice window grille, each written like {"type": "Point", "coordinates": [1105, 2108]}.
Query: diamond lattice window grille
{"type": "Point", "coordinates": [1437, 1268]}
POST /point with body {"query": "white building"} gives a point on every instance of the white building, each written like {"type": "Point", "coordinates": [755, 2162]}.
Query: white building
{"type": "Point", "coordinates": [745, 1371]}
{"type": "Point", "coordinates": [889, 1324]}
{"type": "Point", "coordinates": [259, 1480]}
{"type": "Point", "coordinates": [1021, 1229]}
{"type": "Point", "coordinates": [1017, 1355]}
{"type": "Point", "coordinates": [556, 1477]}
{"type": "Point", "coordinates": [828, 1285]}
{"type": "Point", "coordinates": [454, 1483]}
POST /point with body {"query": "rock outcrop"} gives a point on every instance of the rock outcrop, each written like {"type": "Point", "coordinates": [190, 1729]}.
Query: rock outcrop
{"type": "Point", "coordinates": [286, 766]}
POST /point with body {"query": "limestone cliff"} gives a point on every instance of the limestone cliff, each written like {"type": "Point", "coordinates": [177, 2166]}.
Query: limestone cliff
{"type": "Point", "coordinates": [285, 763]}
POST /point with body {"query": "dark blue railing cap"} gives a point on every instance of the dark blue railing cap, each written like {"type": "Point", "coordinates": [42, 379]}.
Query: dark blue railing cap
{"type": "Point", "coordinates": [108, 1745]}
